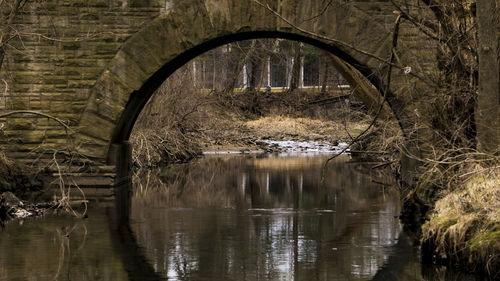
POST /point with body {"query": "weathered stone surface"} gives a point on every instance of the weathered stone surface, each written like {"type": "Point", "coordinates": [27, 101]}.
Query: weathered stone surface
{"type": "Point", "coordinates": [88, 62]}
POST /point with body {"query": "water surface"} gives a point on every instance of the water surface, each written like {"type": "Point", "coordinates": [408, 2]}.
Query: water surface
{"type": "Point", "coordinates": [249, 217]}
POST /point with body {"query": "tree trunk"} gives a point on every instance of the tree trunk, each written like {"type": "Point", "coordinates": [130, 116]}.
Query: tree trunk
{"type": "Point", "coordinates": [2, 55]}
{"type": "Point", "coordinates": [324, 76]}
{"type": "Point", "coordinates": [488, 100]}
{"type": "Point", "coordinates": [295, 79]}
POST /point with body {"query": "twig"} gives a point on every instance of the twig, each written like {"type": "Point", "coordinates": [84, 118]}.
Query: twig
{"type": "Point", "coordinates": [427, 29]}
{"type": "Point", "coordinates": [65, 194]}
{"type": "Point", "coordinates": [88, 37]}
{"type": "Point", "coordinates": [381, 183]}
{"type": "Point", "coordinates": [321, 12]}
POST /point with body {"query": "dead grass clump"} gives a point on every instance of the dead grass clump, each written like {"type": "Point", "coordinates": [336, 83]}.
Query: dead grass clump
{"type": "Point", "coordinates": [161, 146]}
{"type": "Point", "coordinates": [382, 142]}
{"type": "Point", "coordinates": [464, 227]}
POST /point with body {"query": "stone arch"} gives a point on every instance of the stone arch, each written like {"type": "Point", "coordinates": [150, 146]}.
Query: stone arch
{"type": "Point", "coordinates": [190, 29]}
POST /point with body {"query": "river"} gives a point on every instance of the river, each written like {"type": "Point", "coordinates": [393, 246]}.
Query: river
{"type": "Point", "coordinates": [235, 217]}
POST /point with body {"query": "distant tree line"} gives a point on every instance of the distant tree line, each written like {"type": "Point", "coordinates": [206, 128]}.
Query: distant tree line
{"type": "Point", "coordinates": [257, 64]}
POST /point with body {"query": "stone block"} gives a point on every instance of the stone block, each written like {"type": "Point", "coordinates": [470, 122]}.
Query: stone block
{"type": "Point", "coordinates": [96, 126]}
{"type": "Point", "coordinates": [75, 45]}
{"type": "Point", "coordinates": [55, 80]}
{"type": "Point", "coordinates": [110, 90]}
{"type": "Point", "coordinates": [19, 124]}
{"type": "Point", "coordinates": [60, 107]}
{"type": "Point", "coordinates": [18, 103]}
{"type": "Point", "coordinates": [106, 47]}
{"type": "Point", "coordinates": [128, 71]}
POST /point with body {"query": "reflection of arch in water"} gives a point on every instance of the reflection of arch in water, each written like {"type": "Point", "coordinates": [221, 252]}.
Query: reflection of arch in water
{"type": "Point", "coordinates": [340, 231]}
{"type": "Point", "coordinates": [123, 239]}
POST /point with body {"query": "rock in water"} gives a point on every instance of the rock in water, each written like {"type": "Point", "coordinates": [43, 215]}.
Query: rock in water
{"type": "Point", "coordinates": [12, 207]}
{"type": "Point", "coordinates": [10, 200]}
{"type": "Point", "coordinates": [21, 213]}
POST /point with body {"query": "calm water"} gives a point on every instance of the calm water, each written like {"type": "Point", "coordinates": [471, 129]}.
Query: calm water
{"type": "Point", "coordinates": [229, 218]}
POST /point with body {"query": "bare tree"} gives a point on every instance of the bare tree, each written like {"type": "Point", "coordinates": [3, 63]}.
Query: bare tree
{"type": "Point", "coordinates": [488, 117]}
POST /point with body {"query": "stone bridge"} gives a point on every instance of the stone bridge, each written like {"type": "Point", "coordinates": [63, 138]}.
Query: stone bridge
{"type": "Point", "coordinates": [93, 64]}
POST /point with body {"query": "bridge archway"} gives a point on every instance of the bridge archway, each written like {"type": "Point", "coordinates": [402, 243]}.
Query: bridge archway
{"type": "Point", "coordinates": [173, 39]}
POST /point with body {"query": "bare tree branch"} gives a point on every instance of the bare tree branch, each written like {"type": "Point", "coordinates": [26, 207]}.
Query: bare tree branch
{"type": "Point", "coordinates": [21, 112]}
{"type": "Point", "coordinates": [342, 43]}
{"type": "Point", "coordinates": [425, 27]}
{"type": "Point", "coordinates": [321, 12]}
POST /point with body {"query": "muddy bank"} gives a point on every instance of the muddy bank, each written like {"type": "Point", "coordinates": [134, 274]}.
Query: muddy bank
{"type": "Point", "coordinates": [15, 182]}
{"type": "Point", "coordinates": [22, 194]}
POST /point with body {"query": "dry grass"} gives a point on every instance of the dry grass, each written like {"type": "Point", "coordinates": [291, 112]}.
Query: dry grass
{"type": "Point", "coordinates": [464, 226]}
{"type": "Point", "coordinates": [306, 128]}
{"type": "Point", "coordinates": [161, 146]}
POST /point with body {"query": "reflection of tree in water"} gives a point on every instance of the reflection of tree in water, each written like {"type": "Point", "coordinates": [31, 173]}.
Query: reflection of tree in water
{"type": "Point", "coordinates": [264, 182]}
{"type": "Point", "coordinates": [271, 220]}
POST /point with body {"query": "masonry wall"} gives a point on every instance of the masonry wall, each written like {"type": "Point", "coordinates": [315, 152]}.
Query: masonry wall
{"type": "Point", "coordinates": [63, 48]}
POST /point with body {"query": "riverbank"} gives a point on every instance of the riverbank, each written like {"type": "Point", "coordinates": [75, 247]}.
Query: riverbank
{"type": "Point", "coordinates": [463, 229]}
{"type": "Point", "coordinates": [264, 134]}
{"type": "Point", "coordinates": [23, 195]}
{"type": "Point", "coordinates": [260, 133]}
{"type": "Point", "coordinates": [13, 180]}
